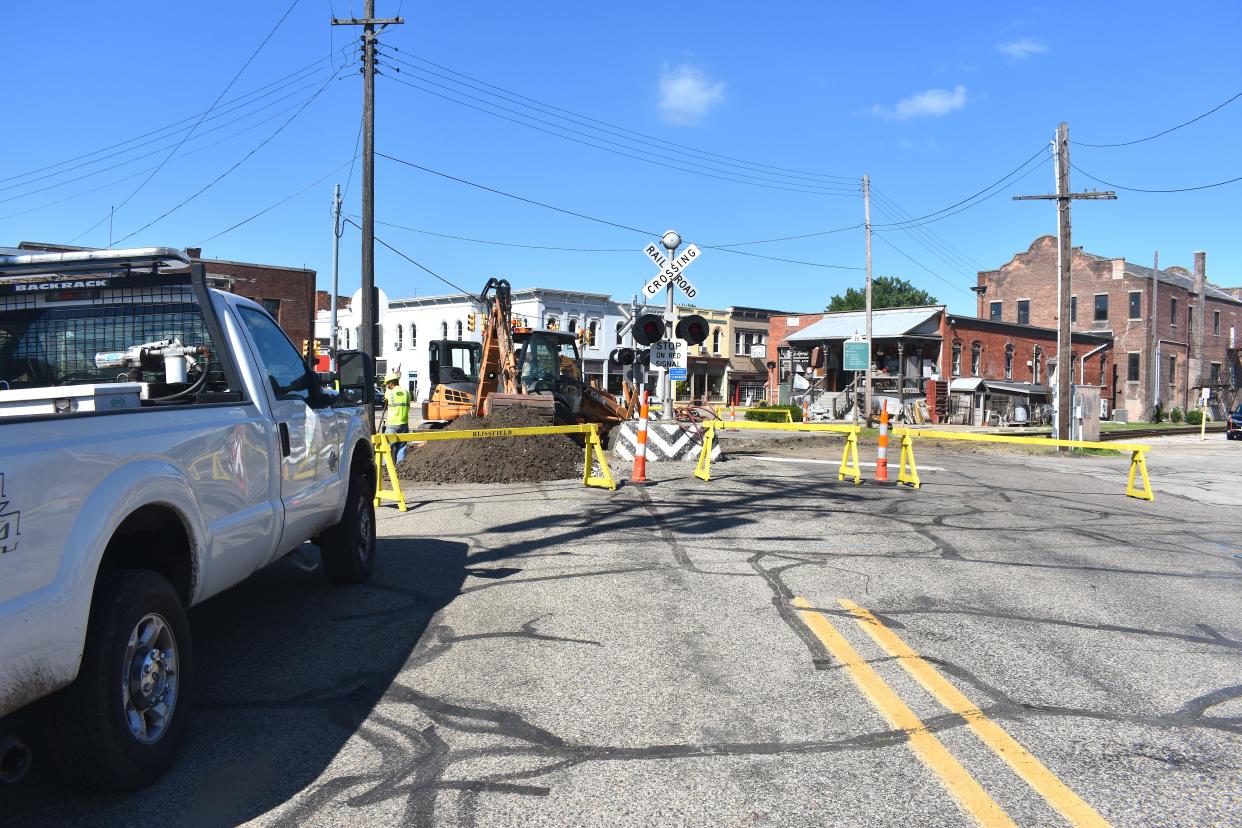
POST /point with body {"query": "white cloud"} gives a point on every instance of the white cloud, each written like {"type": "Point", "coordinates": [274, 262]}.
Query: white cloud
{"type": "Point", "coordinates": [933, 102]}
{"type": "Point", "coordinates": [1021, 49]}
{"type": "Point", "coordinates": [687, 94]}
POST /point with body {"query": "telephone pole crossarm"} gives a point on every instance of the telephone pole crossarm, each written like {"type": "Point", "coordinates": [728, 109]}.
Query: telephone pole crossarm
{"type": "Point", "coordinates": [365, 21]}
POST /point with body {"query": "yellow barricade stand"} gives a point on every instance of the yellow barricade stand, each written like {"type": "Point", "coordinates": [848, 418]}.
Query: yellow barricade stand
{"type": "Point", "coordinates": [382, 443]}
{"type": "Point", "coordinates": [907, 472]}
{"type": "Point", "coordinates": [849, 457]}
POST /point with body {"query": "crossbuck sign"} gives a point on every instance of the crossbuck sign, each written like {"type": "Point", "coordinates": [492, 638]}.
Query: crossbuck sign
{"type": "Point", "coordinates": [671, 272]}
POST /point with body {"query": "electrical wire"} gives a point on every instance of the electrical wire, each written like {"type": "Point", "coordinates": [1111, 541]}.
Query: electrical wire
{"type": "Point", "coordinates": [790, 238]}
{"type": "Point", "coordinates": [953, 285]}
{"type": "Point", "coordinates": [647, 233]}
{"type": "Point", "coordinates": [239, 162]}
{"type": "Point", "coordinates": [214, 104]}
{"type": "Point", "coordinates": [929, 240]}
{"type": "Point", "coordinates": [953, 265]}
{"type": "Point", "coordinates": [584, 118]}
{"type": "Point", "coordinates": [1042, 150]}
{"type": "Point", "coordinates": [506, 244]}
{"type": "Point", "coordinates": [643, 158]}
{"type": "Point", "coordinates": [1163, 131]}
{"type": "Point", "coordinates": [271, 207]}
{"type": "Point", "coordinates": [419, 265]}
{"type": "Point", "coordinates": [1146, 190]}
{"type": "Point", "coordinates": [231, 105]}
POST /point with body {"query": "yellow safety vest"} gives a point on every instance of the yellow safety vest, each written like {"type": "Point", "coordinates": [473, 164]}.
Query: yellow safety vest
{"type": "Point", "coordinates": [398, 406]}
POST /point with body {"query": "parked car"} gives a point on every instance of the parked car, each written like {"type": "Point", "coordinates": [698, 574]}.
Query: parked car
{"type": "Point", "coordinates": [159, 442]}
{"type": "Point", "coordinates": [1233, 424]}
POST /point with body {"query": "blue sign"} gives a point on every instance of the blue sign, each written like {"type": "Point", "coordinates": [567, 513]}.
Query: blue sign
{"type": "Point", "coordinates": [677, 374]}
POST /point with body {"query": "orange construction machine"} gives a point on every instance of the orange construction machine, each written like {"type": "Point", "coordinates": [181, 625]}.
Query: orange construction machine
{"type": "Point", "coordinates": [536, 368]}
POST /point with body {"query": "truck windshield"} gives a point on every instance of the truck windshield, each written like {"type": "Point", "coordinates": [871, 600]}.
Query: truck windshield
{"type": "Point", "coordinates": [50, 346]}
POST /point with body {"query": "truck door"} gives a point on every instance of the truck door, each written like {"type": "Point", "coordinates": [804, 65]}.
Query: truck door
{"type": "Point", "coordinates": [307, 438]}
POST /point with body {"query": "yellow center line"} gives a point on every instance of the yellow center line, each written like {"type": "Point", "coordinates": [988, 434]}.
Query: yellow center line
{"type": "Point", "coordinates": [964, 788]}
{"type": "Point", "coordinates": [1044, 781]}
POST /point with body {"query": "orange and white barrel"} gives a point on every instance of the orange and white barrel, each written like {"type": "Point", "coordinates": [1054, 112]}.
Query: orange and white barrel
{"type": "Point", "coordinates": [881, 455]}
{"type": "Point", "coordinates": [639, 475]}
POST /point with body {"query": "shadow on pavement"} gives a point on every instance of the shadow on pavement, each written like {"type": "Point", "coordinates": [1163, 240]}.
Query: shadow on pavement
{"type": "Point", "coordinates": [288, 668]}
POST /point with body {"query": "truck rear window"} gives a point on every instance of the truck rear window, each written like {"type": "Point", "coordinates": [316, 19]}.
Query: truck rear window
{"type": "Point", "coordinates": [54, 346]}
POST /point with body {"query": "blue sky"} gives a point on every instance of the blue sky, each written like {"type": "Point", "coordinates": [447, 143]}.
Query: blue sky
{"type": "Point", "coordinates": [934, 102]}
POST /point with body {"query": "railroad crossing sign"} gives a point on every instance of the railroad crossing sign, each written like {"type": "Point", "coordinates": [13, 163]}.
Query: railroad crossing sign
{"type": "Point", "coordinates": [671, 272]}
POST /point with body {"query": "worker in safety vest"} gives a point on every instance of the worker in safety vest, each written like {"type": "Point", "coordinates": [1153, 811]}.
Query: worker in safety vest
{"type": "Point", "coordinates": [397, 401]}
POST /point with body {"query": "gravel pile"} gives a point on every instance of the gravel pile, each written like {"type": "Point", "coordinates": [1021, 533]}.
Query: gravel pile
{"type": "Point", "coordinates": [495, 459]}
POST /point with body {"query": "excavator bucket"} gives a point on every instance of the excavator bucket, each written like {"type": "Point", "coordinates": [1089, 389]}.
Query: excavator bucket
{"type": "Point", "coordinates": [542, 404]}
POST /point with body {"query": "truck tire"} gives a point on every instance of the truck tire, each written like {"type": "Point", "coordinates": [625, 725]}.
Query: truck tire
{"type": "Point", "coordinates": [348, 548]}
{"type": "Point", "coordinates": [121, 735]}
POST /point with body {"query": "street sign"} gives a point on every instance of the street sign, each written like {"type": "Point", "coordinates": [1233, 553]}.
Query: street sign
{"type": "Point", "coordinates": [857, 355]}
{"type": "Point", "coordinates": [1206, 393]}
{"type": "Point", "coordinates": [673, 273]}
{"type": "Point", "coordinates": [664, 353]}
{"type": "Point", "coordinates": [652, 251]}
{"type": "Point", "coordinates": [677, 374]}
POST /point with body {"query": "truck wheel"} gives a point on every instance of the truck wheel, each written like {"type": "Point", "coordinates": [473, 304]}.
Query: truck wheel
{"type": "Point", "coordinates": [121, 735]}
{"type": "Point", "coordinates": [348, 549]}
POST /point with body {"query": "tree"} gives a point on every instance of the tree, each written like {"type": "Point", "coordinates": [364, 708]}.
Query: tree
{"type": "Point", "coordinates": [886, 292]}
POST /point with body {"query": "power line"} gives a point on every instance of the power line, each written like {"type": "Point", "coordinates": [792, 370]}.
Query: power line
{"type": "Point", "coordinates": [239, 162]}
{"type": "Point", "coordinates": [662, 141]}
{"type": "Point", "coordinates": [971, 197]}
{"type": "Point", "coordinates": [186, 137]}
{"type": "Point", "coordinates": [1145, 190]}
{"type": "Point", "coordinates": [648, 233]}
{"type": "Point", "coordinates": [790, 238]}
{"type": "Point", "coordinates": [927, 238]}
{"type": "Point", "coordinates": [508, 244]}
{"type": "Point", "coordinates": [955, 265]}
{"type": "Point", "coordinates": [271, 207]}
{"type": "Point", "coordinates": [231, 105]}
{"type": "Point", "coordinates": [920, 264]}
{"type": "Point", "coordinates": [643, 158]}
{"type": "Point", "coordinates": [1162, 132]}
{"type": "Point", "coordinates": [419, 265]}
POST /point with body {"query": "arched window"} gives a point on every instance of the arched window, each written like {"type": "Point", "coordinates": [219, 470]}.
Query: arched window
{"type": "Point", "coordinates": [1036, 363]}
{"type": "Point", "coordinates": [358, 337]}
{"type": "Point", "coordinates": [459, 329]}
{"type": "Point", "coordinates": [592, 331]}
{"type": "Point", "coordinates": [379, 330]}
{"type": "Point", "coordinates": [716, 341]}
{"type": "Point", "coordinates": [620, 325]}
{"type": "Point", "coordinates": [444, 330]}
{"type": "Point", "coordinates": [396, 345]}
{"type": "Point", "coordinates": [975, 351]}
{"type": "Point", "coordinates": [413, 337]}
{"type": "Point", "coordinates": [957, 359]}
{"type": "Point", "coordinates": [1009, 361]}
{"type": "Point", "coordinates": [346, 339]}
{"type": "Point", "coordinates": [573, 324]}
{"type": "Point", "coordinates": [552, 324]}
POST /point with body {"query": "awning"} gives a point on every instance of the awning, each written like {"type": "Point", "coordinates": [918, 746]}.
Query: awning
{"type": "Point", "coordinates": [965, 384]}
{"type": "Point", "coordinates": [1025, 389]}
{"type": "Point", "coordinates": [885, 324]}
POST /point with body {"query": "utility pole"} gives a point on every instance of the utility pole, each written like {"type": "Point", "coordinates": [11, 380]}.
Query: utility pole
{"type": "Point", "coordinates": [671, 242]}
{"type": "Point", "coordinates": [337, 230]}
{"type": "Point", "coordinates": [1153, 373]}
{"type": "Point", "coordinates": [1063, 197]}
{"type": "Point", "coordinates": [870, 352]}
{"type": "Point", "coordinates": [369, 311]}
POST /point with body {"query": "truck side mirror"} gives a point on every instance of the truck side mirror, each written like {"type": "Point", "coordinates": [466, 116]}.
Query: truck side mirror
{"type": "Point", "coordinates": [355, 372]}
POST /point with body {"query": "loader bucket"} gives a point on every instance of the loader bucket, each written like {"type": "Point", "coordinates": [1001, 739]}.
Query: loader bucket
{"type": "Point", "coordinates": [542, 404]}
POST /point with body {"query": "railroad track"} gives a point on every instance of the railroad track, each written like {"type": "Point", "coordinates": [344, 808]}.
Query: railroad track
{"type": "Point", "coordinates": [1142, 433]}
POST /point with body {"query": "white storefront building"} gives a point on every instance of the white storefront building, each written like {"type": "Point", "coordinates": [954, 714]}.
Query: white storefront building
{"type": "Point", "coordinates": [408, 325]}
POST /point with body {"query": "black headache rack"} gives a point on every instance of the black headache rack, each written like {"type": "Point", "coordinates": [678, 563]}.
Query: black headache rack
{"type": "Point", "coordinates": [38, 279]}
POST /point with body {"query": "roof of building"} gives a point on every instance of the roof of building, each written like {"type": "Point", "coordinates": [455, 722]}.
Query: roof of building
{"type": "Point", "coordinates": [885, 323]}
{"type": "Point", "coordinates": [1175, 277]}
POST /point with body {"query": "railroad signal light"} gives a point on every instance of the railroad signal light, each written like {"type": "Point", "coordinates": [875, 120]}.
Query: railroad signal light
{"type": "Point", "coordinates": [649, 329]}
{"type": "Point", "coordinates": [692, 329]}
{"type": "Point", "coordinates": [622, 356]}
{"type": "Point", "coordinates": [643, 357]}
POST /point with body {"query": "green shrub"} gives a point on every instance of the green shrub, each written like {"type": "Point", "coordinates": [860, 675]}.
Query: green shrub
{"type": "Point", "coordinates": [1176, 416]}
{"type": "Point", "coordinates": [775, 413]}
{"type": "Point", "coordinates": [1194, 417]}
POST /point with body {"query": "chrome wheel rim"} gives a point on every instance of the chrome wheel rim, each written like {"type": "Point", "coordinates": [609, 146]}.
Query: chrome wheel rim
{"type": "Point", "coordinates": [150, 678]}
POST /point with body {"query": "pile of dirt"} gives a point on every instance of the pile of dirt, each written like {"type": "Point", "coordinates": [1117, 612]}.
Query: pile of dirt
{"type": "Point", "coordinates": [495, 459]}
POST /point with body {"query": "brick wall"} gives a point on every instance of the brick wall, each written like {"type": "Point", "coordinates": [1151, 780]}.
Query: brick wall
{"type": "Point", "coordinates": [994, 340]}
{"type": "Point", "coordinates": [778, 329]}
{"type": "Point", "coordinates": [1032, 276]}
{"type": "Point", "coordinates": [289, 292]}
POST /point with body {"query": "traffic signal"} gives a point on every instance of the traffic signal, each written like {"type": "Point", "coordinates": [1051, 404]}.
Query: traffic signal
{"type": "Point", "coordinates": [692, 329]}
{"type": "Point", "coordinates": [306, 348]}
{"type": "Point", "coordinates": [470, 323]}
{"type": "Point", "coordinates": [649, 328]}
{"type": "Point", "coordinates": [622, 356]}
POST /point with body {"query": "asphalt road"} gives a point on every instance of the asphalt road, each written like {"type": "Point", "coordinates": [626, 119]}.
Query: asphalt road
{"type": "Point", "coordinates": [1015, 641]}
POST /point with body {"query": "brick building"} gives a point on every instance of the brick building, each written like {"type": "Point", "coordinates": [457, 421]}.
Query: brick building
{"type": "Point", "coordinates": [288, 293]}
{"type": "Point", "coordinates": [1196, 324]}
{"type": "Point", "coordinates": [782, 358]}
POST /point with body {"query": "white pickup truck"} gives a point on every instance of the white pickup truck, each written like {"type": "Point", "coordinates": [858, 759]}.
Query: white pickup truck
{"type": "Point", "coordinates": [159, 442]}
